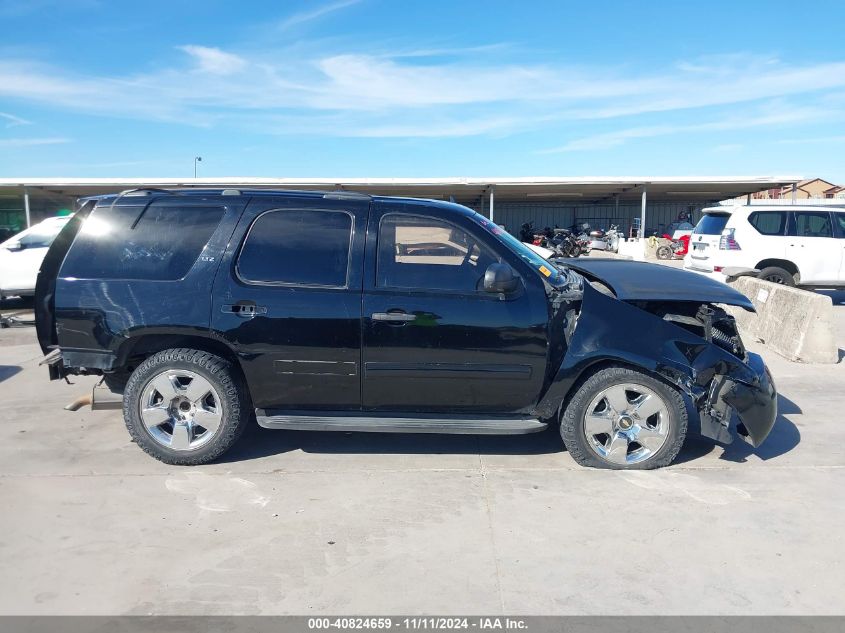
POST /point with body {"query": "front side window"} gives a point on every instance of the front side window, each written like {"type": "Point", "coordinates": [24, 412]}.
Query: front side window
{"type": "Point", "coordinates": [157, 242]}
{"type": "Point", "coordinates": [769, 222]}
{"type": "Point", "coordinates": [425, 253]}
{"type": "Point", "coordinates": [303, 247]}
{"type": "Point", "coordinates": [812, 224]}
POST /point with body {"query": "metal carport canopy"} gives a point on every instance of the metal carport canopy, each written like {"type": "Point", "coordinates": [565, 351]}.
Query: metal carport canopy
{"type": "Point", "coordinates": [564, 190]}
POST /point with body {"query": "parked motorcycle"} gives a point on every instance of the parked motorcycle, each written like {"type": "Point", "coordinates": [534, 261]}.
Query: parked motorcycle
{"type": "Point", "coordinates": [564, 243]}
{"type": "Point", "coordinates": [612, 238]}
{"type": "Point", "coordinates": [526, 233]}
{"type": "Point", "coordinates": [583, 238]}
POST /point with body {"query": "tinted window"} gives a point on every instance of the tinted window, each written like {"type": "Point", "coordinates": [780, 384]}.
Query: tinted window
{"type": "Point", "coordinates": [129, 242]}
{"type": "Point", "coordinates": [299, 246]}
{"type": "Point", "coordinates": [711, 224]}
{"type": "Point", "coordinates": [426, 253]}
{"type": "Point", "coordinates": [813, 224]}
{"type": "Point", "coordinates": [769, 222]}
{"type": "Point", "coordinates": [40, 235]}
{"type": "Point", "coordinates": [839, 220]}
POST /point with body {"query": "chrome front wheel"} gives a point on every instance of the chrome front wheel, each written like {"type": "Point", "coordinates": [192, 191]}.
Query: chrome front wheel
{"type": "Point", "coordinates": [624, 418]}
{"type": "Point", "coordinates": [626, 423]}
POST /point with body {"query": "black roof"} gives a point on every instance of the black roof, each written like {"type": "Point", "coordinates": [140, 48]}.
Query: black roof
{"type": "Point", "coordinates": [130, 196]}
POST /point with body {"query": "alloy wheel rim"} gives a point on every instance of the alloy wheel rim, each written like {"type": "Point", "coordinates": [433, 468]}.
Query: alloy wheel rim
{"type": "Point", "coordinates": [626, 423]}
{"type": "Point", "coordinates": [180, 410]}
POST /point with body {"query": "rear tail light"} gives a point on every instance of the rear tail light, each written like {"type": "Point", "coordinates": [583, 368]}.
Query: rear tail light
{"type": "Point", "coordinates": [717, 269]}
{"type": "Point", "coordinates": [727, 241]}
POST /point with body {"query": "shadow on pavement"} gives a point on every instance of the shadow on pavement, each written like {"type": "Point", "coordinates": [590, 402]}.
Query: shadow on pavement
{"type": "Point", "coordinates": [259, 442]}
{"type": "Point", "coordinates": [7, 371]}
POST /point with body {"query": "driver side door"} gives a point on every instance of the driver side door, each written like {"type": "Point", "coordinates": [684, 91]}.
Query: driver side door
{"type": "Point", "coordinates": [433, 339]}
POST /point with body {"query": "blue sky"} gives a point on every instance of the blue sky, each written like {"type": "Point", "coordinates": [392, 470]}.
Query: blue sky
{"type": "Point", "coordinates": [393, 88]}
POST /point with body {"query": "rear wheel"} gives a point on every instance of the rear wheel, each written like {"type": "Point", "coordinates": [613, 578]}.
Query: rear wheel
{"type": "Point", "coordinates": [664, 252]}
{"type": "Point", "coordinates": [777, 275]}
{"type": "Point", "coordinates": [621, 418]}
{"type": "Point", "coordinates": [184, 406]}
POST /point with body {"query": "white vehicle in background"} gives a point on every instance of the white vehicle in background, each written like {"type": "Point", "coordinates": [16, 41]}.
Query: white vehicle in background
{"type": "Point", "coordinates": [793, 245]}
{"type": "Point", "coordinates": [21, 256]}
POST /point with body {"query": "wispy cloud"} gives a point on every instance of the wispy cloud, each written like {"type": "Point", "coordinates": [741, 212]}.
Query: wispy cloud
{"type": "Point", "coordinates": [30, 142]}
{"type": "Point", "coordinates": [12, 120]}
{"type": "Point", "coordinates": [813, 140]}
{"type": "Point", "coordinates": [214, 61]}
{"type": "Point", "coordinates": [424, 94]}
{"type": "Point", "coordinates": [308, 16]}
{"type": "Point", "coordinates": [773, 115]}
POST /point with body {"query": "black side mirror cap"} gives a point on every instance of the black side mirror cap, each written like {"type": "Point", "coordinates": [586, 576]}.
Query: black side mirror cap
{"type": "Point", "coordinates": [500, 278]}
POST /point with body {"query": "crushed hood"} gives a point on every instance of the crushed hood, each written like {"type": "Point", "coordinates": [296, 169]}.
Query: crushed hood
{"type": "Point", "coordinates": [641, 281]}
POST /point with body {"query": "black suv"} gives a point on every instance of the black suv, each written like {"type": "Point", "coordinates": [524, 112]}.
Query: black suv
{"type": "Point", "coordinates": [341, 311]}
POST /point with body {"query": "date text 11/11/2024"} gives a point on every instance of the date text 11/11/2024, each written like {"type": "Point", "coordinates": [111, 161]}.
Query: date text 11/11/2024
{"type": "Point", "coordinates": [418, 623]}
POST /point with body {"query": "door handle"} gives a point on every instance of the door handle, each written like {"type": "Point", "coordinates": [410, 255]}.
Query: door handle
{"type": "Point", "coordinates": [394, 317]}
{"type": "Point", "coordinates": [243, 309]}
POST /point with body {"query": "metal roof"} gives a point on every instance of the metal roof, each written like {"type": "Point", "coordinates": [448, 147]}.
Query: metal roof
{"type": "Point", "coordinates": [563, 190]}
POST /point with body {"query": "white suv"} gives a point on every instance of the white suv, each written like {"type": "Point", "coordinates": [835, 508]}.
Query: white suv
{"type": "Point", "coordinates": [792, 245]}
{"type": "Point", "coordinates": [21, 257]}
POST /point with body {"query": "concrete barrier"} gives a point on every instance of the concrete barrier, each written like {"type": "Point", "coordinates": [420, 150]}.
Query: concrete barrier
{"type": "Point", "coordinates": [797, 324]}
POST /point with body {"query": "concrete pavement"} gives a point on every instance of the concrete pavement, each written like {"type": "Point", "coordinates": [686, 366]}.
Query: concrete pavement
{"type": "Point", "coordinates": [309, 523]}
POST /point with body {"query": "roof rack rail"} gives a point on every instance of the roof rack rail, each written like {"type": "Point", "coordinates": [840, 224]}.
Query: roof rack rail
{"type": "Point", "coordinates": [346, 195]}
{"type": "Point", "coordinates": [145, 191]}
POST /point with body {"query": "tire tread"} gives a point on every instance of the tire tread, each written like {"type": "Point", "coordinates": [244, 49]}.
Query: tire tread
{"type": "Point", "coordinates": [570, 423]}
{"type": "Point", "coordinates": [233, 392]}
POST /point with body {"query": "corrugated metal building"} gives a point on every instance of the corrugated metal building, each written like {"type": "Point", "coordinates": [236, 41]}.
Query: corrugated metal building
{"type": "Point", "coordinates": [545, 201]}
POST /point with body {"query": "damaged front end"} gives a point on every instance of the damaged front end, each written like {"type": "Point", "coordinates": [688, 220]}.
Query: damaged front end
{"type": "Point", "coordinates": [691, 343]}
{"type": "Point", "coordinates": [746, 388]}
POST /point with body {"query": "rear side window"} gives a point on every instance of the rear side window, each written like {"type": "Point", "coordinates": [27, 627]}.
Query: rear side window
{"type": "Point", "coordinates": [159, 243]}
{"type": "Point", "coordinates": [769, 222]}
{"type": "Point", "coordinates": [711, 224]}
{"type": "Point", "coordinates": [813, 224]}
{"type": "Point", "coordinates": [839, 221]}
{"type": "Point", "coordinates": [303, 247]}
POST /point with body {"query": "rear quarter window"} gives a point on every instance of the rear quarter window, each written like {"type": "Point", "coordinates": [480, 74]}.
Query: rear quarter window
{"type": "Point", "coordinates": [711, 224]}
{"type": "Point", "coordinates": [769, 222]}
{"type": "Point", "coordinates": [159, 242]}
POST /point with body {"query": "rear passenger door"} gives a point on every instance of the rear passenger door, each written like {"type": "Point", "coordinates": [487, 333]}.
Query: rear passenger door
{"type": "Point", "coordinates": [813, 248]}
{"type": "Point", "coordinates": [287, 299]}
{"type": "Point", "coordinates": [769, 239]}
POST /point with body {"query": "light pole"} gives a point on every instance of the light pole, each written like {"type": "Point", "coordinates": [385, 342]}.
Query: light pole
{"type": "Point", "coordinates": [197, 159]}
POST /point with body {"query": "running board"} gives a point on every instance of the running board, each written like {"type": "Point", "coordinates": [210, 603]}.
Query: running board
{"type": "Point", "coordinates": [397, 423]}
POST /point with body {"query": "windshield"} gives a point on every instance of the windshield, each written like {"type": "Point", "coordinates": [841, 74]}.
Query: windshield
{"type": "Point", "coordinates": [39, 236]}
{"type": "Point", "coordinates": [542, 266]}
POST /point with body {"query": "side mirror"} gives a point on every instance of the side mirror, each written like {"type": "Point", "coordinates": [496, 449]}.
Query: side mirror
{"type": "Point", "coordinates": [14, 246]}
{"type": "Point", "coordinates": [500, 278]}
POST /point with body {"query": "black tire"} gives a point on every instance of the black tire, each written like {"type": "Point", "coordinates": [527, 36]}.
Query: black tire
{"type": "Point", "coordinates": [664, 252]}
{"type": "Point", "coordinates": [777, 275]}
{"type": "Point", "coordinates": [573, 419]}
{"type": "Point", "coordinates": [223, 378]}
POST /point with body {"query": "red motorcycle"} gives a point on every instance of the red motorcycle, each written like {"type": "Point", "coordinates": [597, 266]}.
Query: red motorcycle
{"type": "Point", "coordinates": [676, 250]}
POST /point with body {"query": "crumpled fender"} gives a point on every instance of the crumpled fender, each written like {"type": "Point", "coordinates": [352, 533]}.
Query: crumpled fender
{"type": "Point", "coordinates": [616, 331]}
